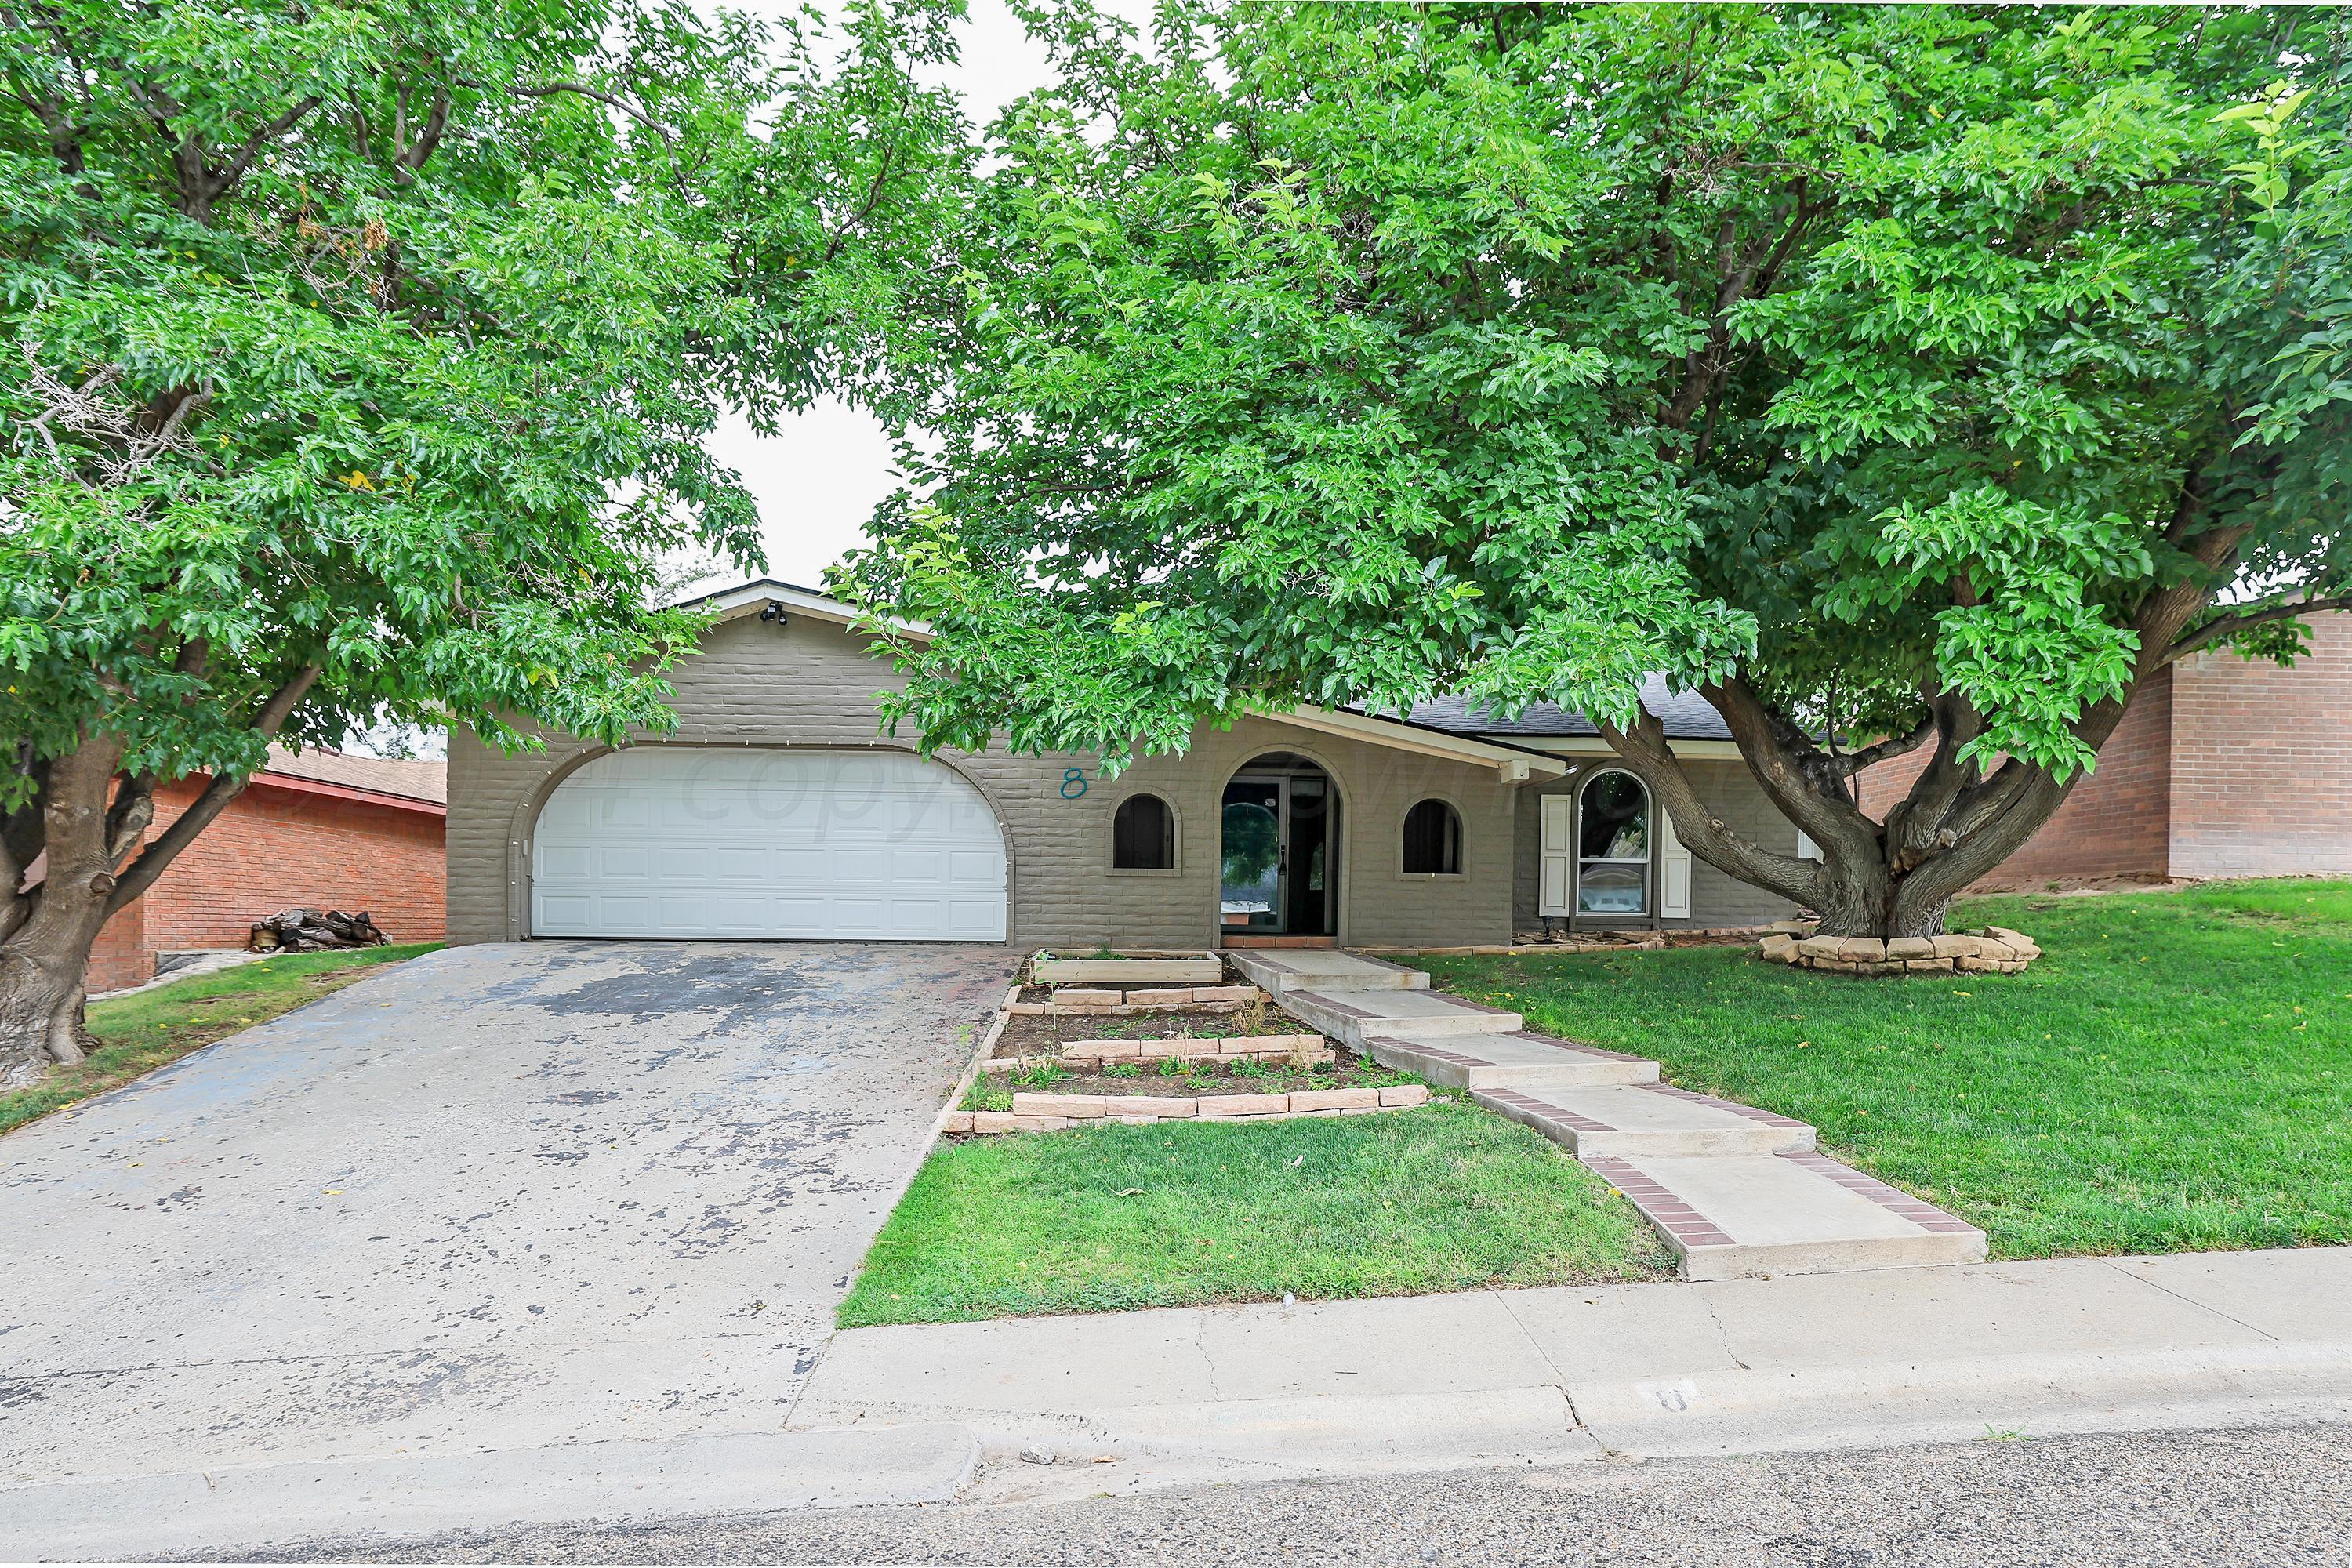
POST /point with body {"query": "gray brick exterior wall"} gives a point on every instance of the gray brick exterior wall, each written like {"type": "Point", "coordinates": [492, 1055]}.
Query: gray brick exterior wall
{"type": "Point", "coordinates": [1716, 899]}
{"type": "Point", "coordinates": [811, 684]}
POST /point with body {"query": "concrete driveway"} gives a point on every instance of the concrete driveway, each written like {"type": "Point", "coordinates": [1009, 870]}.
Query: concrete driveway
{"type": "Point", "coordinates": [500, 1197]}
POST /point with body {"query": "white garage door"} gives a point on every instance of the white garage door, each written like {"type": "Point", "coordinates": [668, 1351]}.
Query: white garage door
{"type": "Point", "coordinates": [688, 841]}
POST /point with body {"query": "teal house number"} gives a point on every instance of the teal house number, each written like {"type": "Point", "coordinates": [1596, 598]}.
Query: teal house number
{"type": "Point", "coordinates": [1074, 782]}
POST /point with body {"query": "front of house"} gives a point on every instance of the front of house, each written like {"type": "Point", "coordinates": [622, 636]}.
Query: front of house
{"type": "Point", "coordinates": [778, 810]}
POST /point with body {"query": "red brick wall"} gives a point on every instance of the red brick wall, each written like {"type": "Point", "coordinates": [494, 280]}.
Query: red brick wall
{"type": "Point", "coordinates": [120, 956]}
{"type": "Point", "coordinates": [2116, 821]}
{"type": "Point", "coordinates": [2261, 779]}
{"type": "Point", "coordinates": [272, 849]}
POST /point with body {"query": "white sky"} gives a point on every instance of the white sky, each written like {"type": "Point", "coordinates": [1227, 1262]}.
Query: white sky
{"type": "Point", "coordinates": [820, 479]}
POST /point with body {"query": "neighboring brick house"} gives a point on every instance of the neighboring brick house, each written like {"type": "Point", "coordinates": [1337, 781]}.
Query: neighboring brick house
{"type": "Point", "coordinates": [2223, 767]}
{"type": "Point", "coordinates": [319, 829]}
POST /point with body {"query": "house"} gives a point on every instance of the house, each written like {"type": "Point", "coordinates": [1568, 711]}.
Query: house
{"type": "Point", "coordinates": [777, 809]}
{"type": "Point", "coordinates": [321, 828]}
{"type": "Point", "coordinates": [2222, 767]}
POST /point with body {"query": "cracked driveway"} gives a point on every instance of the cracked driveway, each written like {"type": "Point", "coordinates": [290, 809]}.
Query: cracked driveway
{"type": "Point", "coordinates": [500, 1197]}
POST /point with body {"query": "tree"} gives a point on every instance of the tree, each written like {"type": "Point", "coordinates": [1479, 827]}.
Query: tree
{"type": "Point", "coordinates": [359, 356]}
{"type": "Point", "coordinates": [1923, 375]}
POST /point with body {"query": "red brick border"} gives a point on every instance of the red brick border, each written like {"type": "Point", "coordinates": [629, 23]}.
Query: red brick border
{"type": "Point", "coordinates": [1683, 1225]}
{"type": "Point", "coordinates": [1894, 1200]}
{"type": "Point", "coordinates": [1578, 1047]}
{"type": "Point", "coordinates": [1769, 1118]}
{"type": "Point", "coordinates": [1324, 999]}
{"type": "Point", "coordinates": [1543, 1112]}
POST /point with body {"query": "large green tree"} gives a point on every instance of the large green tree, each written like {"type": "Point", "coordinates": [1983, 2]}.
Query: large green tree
{"type": "Point", "coordinates": [1931, 375]}
{"type": "Point", "coordinates": [358, 359]}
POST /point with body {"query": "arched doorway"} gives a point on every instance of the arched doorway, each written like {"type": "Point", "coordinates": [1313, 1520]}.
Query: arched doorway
{"type": "Point", "coordinates": [1278, 851]}
{"type": "Point", "coordinates": [768, 842]}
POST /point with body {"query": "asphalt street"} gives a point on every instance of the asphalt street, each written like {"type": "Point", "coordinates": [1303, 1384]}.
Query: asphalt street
{"type": "Point", "coordinates": [2183, 1500]}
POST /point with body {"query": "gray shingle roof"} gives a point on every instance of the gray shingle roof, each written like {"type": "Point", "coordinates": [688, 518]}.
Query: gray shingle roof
{"type": "Point", "coordinates": [1687, 715]}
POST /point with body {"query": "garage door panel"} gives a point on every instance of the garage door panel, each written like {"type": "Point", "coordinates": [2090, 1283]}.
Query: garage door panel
{"type": "Point", "coordinates": [680, 842]}
{"type": "Point", "coordinates": [920, 865]}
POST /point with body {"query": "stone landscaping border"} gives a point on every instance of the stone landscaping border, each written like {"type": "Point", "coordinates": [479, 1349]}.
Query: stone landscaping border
{"type": "Point", "coordinates": [1194, 967]}
{"type": "Point", "coordinates": [1183, 1047]}
{"type": "Point", "coordinates": [1631, 940]}
{"type": "Point", "coordinates": [1107, 1001]}
{"type": "Point", "coordinates": [1995, 950]}
{"type": "Point", "coordinates": [1053, 1112]}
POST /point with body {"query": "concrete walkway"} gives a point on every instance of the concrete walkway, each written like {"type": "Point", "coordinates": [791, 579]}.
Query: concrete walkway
{"type": "Point", "coordinates": [1735, 1191]}
{"type": "Point", "coordinates": [1530, 1376]}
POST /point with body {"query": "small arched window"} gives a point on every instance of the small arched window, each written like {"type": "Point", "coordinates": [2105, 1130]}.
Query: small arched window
{"type": "Point", "coordinates": [1433, 839]}
{"type": "Point", "coordinates": [1143, 834]}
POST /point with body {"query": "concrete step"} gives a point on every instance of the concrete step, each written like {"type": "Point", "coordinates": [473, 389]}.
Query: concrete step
{"type": "Point", "coordinates": [1357, 1015]}
{"type": "Point", "coordinates": [1652, 1120]}
{"type": "Point", "coordinates": [1730, 1216]}
{"type": "Point", "coordinates": [1323, 969]}
{"type": "Point", "coordinates": [1516, 1060]}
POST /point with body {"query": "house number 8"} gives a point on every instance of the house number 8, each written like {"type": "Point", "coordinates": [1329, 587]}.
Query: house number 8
{"type": "Point", "coordinates": [1074, 782]}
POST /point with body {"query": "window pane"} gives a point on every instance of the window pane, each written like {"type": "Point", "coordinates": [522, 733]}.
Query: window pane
{"type": "Point", "coordinates": [1433, 839]}
{"type": "Point", "coordinates": [1143, 834]}
{"type": "Point", "coordinates": [1606, 889]}
{"type": "Point", "coordinates": [1614, 824]}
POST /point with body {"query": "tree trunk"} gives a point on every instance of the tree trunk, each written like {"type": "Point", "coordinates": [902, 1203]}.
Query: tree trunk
{"type": "Point", "coordinates": [1895, 879]}
{"type": "Point", "coordinates": [45, 961]}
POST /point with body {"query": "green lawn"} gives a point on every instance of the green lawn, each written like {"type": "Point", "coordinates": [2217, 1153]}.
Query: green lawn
{"type": "Point", "coordinates": [1445, 1197]}
{"type": "Point", "coordinates": [139, 1033]}
{"type": "Point", "coordinates": [2173, 1073]}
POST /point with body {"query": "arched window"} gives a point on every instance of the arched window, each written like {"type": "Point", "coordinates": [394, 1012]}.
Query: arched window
{"type": "Point", "coordinates": [1433, 839]}
{"type": "Point", "coordinates": [1612, 846]}
{"type": "Point", "coordinates": [1143, 834]}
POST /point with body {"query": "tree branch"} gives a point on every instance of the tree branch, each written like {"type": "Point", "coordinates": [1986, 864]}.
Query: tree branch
{"type": "Point", "coordinates": [1798, 777]}
{"type": "Point", "coordinates": [2230, 625]}
{"type": "Point", "coordinates": [222, 182]}
{"type": "Point", "coordinates": [833, 248]}
{"type": "Point", "coordinates": [1702, 366]}
{"type": "Point", "coordinates": [140, 874]}
{"type": "Point", "coordinates": [550, 89]}
{"type": "Point", "coordinates": [411, 158]}
{"type": "Point", "coordinates": [1877, 751]}
{"type": "Point", "coordinates": [1644, 750]}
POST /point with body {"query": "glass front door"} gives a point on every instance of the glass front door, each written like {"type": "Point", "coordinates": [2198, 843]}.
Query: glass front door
{"type": "Point", "coordinates": [1250, 873]}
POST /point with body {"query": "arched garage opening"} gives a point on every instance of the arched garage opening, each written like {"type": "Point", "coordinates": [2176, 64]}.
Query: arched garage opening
{"type": "Point", "coordinates": [748, 842]}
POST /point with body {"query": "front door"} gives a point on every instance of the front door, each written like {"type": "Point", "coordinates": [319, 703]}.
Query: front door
{"type": "Point", "coordinates": [1275, 862]}
{"type": "Point", "coordinates": [1250, 870]}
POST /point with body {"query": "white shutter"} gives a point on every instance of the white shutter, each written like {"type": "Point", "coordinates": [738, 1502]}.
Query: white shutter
{"type": "Point", "coordinates": [1557, 856]}
{"type": "Point", "coordinates": [1806, 848]}
{"type": "Point", "coordinates": [1674, 873]}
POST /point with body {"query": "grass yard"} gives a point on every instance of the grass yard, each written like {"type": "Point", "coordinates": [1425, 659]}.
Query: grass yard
{"type": "Point", "coordinates": [1445, 1197]}
{"type": "Point", "coordinates": [139, 1033]}
{"type": "Point", "coordinates": [2174, 1073]}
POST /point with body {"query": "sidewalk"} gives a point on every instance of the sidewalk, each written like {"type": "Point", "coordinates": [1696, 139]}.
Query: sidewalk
{"type": "Point", "coordinates": [1512, 1377]}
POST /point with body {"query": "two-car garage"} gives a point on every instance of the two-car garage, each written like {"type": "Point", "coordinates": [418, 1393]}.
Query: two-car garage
{"type": "Point", "coordinates": [765, 842]}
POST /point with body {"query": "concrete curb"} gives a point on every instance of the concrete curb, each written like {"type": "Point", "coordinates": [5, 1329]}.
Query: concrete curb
{"type": "Point", "coordinates": [1843, 1406]}
{"type": "Point", "coordinates": [115, 1517]}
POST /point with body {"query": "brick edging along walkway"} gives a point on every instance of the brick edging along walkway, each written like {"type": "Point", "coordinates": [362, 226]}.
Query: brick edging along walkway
{"type": "Point", "coordinates": [1053, 1112]}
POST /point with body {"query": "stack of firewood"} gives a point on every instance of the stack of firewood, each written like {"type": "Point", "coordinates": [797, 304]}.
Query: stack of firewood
{"type": "Point", "coordinates": [300, 930]}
